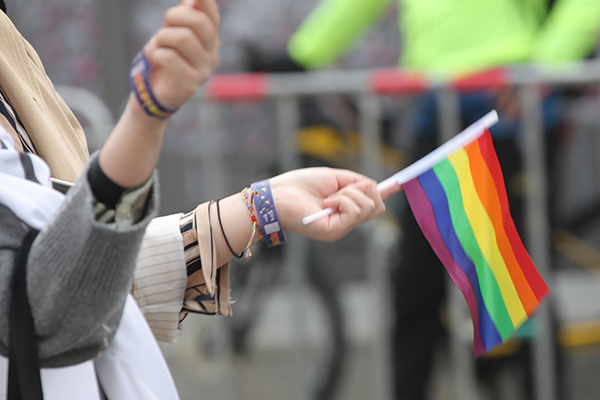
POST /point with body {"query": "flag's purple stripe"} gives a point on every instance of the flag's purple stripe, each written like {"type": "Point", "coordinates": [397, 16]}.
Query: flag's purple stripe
{"type": "Point", "coordinates": [424, 214]}
{"type": "Point", "coordinates": [437, 197]}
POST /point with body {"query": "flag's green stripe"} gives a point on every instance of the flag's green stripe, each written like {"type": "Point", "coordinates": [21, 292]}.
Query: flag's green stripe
{"type": "Point", "coordinates": [490, 291]}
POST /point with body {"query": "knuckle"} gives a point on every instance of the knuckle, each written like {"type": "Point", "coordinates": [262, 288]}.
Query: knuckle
{"type": "Point", "coordinates": [209, 30]}
{"type": "Point", "coordinates": [169, 56]}
{"type": "Point", "coordinates": [186, 36]}
{"type": "Point", "coordinates": [215, 12]}
{"type": "Point", "coordinates": [171, 14]}
{"type": "Point", "coordinates": [164, 56]}
{"type": "Point", "coordinates": [203, 19]}
{"type": "Point", "coordinates": [218, 20]}
{"type": "Point", "coordinates": [161, 37]}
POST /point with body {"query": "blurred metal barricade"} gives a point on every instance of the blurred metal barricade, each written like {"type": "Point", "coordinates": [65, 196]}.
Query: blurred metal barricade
{"type": "Point", "coordinates": [368, 86]}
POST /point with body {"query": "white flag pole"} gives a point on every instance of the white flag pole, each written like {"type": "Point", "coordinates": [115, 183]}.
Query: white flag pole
{"type": "Point", "coordinates": [425, 163]}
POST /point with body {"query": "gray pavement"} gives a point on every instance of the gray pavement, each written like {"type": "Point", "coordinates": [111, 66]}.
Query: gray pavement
{"type": "Point", "coordinates": [204, 368]}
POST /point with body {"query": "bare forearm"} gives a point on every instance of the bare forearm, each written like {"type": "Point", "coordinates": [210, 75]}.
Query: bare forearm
{"type": "Point", "coordinates": [181, 57]}
{"type": "Point", "coordinates": [237, 225]}
{"type": "Point", "coordinates": [131, 153]}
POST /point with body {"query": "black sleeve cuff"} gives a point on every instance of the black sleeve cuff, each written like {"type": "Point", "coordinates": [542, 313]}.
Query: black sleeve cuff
{"type": "Point", "coordinates": [105, 190]}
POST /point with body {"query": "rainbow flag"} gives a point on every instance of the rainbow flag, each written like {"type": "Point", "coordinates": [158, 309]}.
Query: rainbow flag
{"type": "Point", "coordinates": [461, 205]}
{"type": "Point", "coordinates": [458, 197]}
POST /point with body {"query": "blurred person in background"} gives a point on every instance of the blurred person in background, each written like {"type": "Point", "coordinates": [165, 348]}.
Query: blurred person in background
{"type": "Point", "coordinates": [448, 39]}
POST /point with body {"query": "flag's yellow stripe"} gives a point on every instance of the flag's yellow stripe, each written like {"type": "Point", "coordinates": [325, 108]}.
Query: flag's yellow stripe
{"type": "Point", "coordinates": [486, 237]}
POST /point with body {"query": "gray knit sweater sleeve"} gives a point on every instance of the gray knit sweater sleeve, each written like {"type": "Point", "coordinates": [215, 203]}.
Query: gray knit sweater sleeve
{"type": "Point", "coordinates": [79, 273]}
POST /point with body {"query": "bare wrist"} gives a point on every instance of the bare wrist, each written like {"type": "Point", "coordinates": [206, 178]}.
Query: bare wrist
{"type": "Point", "coordinates": [137, 112]}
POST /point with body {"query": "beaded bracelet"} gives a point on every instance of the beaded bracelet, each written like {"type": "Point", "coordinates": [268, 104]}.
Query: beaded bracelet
{"type": "Point", "coordinates": [140, 84]}
{"type": "Point", "coordinates": [267, 214]}
{"type": "Point", "coordinates": [248, 196]}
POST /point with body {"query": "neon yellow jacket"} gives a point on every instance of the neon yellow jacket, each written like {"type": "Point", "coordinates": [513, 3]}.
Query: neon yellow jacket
{"type": "Point", "coordinates": [455, 35]}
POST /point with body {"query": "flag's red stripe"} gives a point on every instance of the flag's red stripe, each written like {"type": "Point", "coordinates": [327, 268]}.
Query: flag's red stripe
{"type": "Point", "coordinates": [485, 187]}
{"type": "Point", "coordinates": [537, 284]}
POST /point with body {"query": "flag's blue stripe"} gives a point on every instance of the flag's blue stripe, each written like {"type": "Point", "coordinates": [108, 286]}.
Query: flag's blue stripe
{"type": "Point", "coordinates": [437, 196]}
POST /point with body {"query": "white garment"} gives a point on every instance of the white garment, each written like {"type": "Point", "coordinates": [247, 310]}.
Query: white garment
{"type": "Point", "coordinates": [70, 383]}
{"type": "Point", "coordinates": [132, 367]}
{"type": "Point", "coordinates": [33, 203]}
{"type": "Point", "coordinates": [160, 277]}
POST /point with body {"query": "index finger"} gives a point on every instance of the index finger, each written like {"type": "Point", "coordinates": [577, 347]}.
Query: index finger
{"type": "Point", "coordinates": [210, 7]}
{"type": "Point", "coordinates": [345, 177]}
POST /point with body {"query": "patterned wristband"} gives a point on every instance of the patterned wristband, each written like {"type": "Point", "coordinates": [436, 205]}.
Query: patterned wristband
{"type": "Point", "coordinates": [140, 84]}
{"type": "Point", "coordinates": [267, 214]}
{"type": "Point", "coordinates": [248, 196]}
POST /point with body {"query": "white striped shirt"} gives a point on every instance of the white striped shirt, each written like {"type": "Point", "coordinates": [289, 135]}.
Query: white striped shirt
{"type": "Point", "coordinates": [176, 273]}
{"type": "Point", "coordinates": [160, 277]}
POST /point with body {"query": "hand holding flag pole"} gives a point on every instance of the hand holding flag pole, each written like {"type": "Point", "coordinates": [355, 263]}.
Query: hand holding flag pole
{"type": "Point", "coordinates": [425, 163]}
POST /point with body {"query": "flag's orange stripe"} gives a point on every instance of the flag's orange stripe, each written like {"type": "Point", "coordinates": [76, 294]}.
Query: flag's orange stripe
{"type": "Point", "coordinates": [484, 184]}
{"type": "Point", "coordinates": [537, 284]}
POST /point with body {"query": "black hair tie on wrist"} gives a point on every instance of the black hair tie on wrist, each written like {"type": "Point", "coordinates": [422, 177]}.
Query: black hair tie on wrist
{"type": "Point", "coordinates": [223, 231]}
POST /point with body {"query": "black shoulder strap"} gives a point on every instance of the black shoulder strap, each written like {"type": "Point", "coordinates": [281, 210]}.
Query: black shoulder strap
{"type": "Point", "coordinates": [24, 382]}
{"type": "Point", "coordinates": [6, 114]}
{"type": "Point", "coordinates": [13, 122]}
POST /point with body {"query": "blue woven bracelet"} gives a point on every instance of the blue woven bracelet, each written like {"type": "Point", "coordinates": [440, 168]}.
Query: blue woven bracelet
{"type": "Point", "coordinates": [267, 214]}
{"type": "Point", "coordinates": [140, 84]}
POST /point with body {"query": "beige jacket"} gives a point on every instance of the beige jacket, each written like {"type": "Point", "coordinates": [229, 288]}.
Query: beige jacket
{"type": "Point", "coordinates": [53, 128]}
